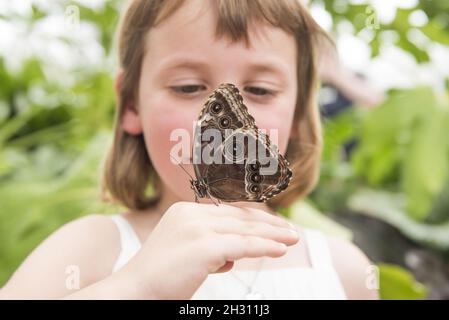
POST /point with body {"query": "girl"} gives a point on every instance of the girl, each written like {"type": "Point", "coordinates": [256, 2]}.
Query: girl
{"type": "Point", "coordinates": [172, 55]}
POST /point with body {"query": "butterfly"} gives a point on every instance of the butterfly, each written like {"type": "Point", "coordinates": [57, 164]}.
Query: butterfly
{"type": "Point", "coordinates": [246, 166]}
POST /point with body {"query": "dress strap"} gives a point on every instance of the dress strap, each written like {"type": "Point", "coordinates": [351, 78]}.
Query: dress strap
{"type": "Point", "coordinates": [318, 249]}
{"type": "Point", "coordinates": [129, 241]}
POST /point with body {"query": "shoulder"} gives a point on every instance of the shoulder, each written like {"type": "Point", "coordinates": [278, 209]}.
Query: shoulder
{"type": "Point", "coordinates": [356, 272]}
{"type": "Point", "coordinates": [86, 236]}
{"type": "Point", "coordinates": [93, 227]}
{"type": "Point", "coordinates": [85, 248]}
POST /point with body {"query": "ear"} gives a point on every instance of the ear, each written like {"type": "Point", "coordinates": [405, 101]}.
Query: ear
{"type": "Point", "coordinates": [130, 120]}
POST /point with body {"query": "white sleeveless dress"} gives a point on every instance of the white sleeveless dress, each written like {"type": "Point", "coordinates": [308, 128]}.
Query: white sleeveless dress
{"type": "Point", "coordinates": [320, 281]}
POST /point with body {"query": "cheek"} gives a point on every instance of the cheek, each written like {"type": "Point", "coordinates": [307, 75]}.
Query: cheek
{"type": "Point", "coordinates": [161, 117]}
{"type": "Point", "coordinates": [276, 121]}
{"type": "Point", "coordinates": [279, 131]}
{"type": "Point", "coordinates": [158, 125]}
{"type": "Point", "coordinates": [158, 130]}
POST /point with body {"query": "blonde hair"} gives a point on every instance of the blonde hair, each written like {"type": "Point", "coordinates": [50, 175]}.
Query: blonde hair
{"type": "Point", "coordinates": [128, 169]}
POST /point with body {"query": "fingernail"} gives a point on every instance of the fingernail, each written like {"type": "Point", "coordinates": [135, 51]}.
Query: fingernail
{"type": "Point", "coordinates": [292, 225]}
{"type": "Point", "coordinates": [294, 233]}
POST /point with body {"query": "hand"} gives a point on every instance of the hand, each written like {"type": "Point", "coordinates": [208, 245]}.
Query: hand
{"type": "Point", "coordinates": [193, 240]}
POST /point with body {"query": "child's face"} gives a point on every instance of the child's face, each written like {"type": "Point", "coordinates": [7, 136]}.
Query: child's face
{"type": "Point", "coordinates": [182, 51]}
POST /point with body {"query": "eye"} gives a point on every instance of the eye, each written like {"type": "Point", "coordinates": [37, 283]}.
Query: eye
{"type": "Point", "coordinates": [258, 91]}
{"type": "Point", "coordinates": [187, 89]}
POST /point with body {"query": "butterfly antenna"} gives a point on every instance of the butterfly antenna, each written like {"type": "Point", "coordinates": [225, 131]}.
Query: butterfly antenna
{"type": "Point", "coordinates": [180, 165]}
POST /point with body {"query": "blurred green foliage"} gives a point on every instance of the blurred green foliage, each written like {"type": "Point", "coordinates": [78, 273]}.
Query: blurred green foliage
{"type": "Point", "coordinates": [404, 145]}
{"type": "Point", "coordinates": [400, 164]}
{"type": "Point", "coordinates": [397, 283]}
{"type": "Point", "coordinates": [53, 138]}
{"type": "Point", "coordinates": [362, 16]}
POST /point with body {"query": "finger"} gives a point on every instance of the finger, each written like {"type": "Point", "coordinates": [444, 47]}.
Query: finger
{"type": "Point", "coordinates": [226, 267]}
{"type": "Point", "coordinates": [235, 247]}
{"type": "Point", "coordinates": [250, 214]}
{"type": "Point", "coordinates": [256, 228]}
{"type": "Point", "coordinates": [269, 217]}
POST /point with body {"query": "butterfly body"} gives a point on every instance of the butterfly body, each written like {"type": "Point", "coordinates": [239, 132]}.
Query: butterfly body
{"type": "Point", "coordinates": [199, 187]}
{"type": "Point", "coordinates": [231, 167]}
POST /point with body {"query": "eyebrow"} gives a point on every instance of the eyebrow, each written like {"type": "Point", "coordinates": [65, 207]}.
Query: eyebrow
{"type": "Point", "coordinates": [267, 66]}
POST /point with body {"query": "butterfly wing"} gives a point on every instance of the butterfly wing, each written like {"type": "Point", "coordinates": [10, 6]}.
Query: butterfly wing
{"type": "Point", "coordinates": [220, 108]}
{"type": "Point", "coordinates": [241, 178]}
{"type": "Point", "coordinates": [247, 184]}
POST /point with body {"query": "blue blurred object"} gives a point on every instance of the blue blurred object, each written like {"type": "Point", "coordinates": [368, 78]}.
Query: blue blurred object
{"type": "Point", "coordinates": [332, 101]}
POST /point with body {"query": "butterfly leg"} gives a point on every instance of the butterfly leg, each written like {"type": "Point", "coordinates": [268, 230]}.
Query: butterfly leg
{"type": "Point", "coordinates": [212, 199]}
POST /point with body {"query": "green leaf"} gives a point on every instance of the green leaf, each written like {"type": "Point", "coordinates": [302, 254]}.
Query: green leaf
{"type": "Point", "coordinates": [306, 215]}
{"type": "Point", "coordinates": [403, 144]}
{"type": "Point", "coordinates": [397, 283]}
{"type": "Point", "coordinates": [435, 31]}
{"type": "Point", "coordinates": [390, 207]}
{"type": "Point", "coordinates": [426, 167]}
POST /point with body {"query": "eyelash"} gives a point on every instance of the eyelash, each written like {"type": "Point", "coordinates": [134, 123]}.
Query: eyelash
{"type": "Point", "coordinates": [180, 90]}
